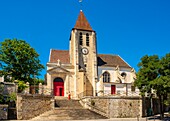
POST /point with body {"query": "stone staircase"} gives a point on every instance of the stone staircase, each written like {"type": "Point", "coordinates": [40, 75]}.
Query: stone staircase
{"type": "Point", "coordinates": [68, 110]}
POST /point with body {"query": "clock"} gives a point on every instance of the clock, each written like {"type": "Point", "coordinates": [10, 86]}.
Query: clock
{"type": "Point", "coordinates": [85, 51]}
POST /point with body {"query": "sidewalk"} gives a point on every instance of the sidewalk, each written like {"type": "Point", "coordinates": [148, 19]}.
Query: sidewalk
{"type": "Point", "coordinates": [112, 119]}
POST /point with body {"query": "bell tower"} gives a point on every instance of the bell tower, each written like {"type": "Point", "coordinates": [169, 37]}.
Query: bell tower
{"type": "Point", "coordinates": [83, 56]}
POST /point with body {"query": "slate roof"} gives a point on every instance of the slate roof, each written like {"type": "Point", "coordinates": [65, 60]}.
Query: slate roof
{"type": "Point", "coordinates": [104, 60]}
{"type": "Point", "coordinates": [82, 23]}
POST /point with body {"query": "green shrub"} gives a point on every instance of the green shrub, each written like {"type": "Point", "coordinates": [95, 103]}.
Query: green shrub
{"type": "Point", "coordinates": [21, 86]}
{"type": "Point", "coordinates": [11, 97]}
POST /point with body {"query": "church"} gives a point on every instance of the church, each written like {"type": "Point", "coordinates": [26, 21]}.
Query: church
{"type": "Point", "coordinates": [82, 71]}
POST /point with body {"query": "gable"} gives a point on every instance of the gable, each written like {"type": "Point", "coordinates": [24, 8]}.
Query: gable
{"type": "Point", "coordinates": [57, 70]}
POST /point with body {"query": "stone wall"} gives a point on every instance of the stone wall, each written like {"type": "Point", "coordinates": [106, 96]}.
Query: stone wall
{"type": "Point", "coordinates": [115, 107]}
{"type": "Point", "coordinates": [3, 112]}
{"type": "Point", "coordinates": [30, 106]}
{"type": "Point", "coordinates": [7, 88]}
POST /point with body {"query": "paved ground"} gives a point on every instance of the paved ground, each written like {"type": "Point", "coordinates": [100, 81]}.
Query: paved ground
{"type": "Point", "coordinates": [152, 118]}
{"type": "Point", "coordinates": [113, 119]}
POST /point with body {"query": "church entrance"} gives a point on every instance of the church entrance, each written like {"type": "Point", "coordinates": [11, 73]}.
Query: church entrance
{"type": "Point", "coordinates": [58, 87]}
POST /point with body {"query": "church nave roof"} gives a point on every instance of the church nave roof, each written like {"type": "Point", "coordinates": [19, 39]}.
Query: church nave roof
{"type": "Point", "coordinates": [102, 59]}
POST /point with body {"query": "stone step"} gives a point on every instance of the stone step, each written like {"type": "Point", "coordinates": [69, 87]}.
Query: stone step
{"type": "Point", "coordinates": [65, 103]}
{"type": "Point", "coordinates": [69, 114]}
{"type": "Point", "coordinates": [68, 110]}
{"type": "Point", "coordinates": [60, 98]}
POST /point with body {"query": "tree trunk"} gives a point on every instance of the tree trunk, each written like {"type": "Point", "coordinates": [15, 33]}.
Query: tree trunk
{"type": "Point", "coordinates": [161, 107]}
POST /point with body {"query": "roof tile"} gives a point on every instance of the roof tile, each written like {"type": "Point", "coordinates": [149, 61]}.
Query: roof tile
{"type": "Point", "coordinates": [62, 55]}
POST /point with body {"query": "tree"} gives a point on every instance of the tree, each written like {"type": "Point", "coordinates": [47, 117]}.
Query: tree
{"type": "Point", "coordinates": [19, 61]}
{"type": "Point", "coordinates": [162, 84]}
{"type": "Point", "coordinates": [148, 72]}
{"type": "Point", "coordinates": [154, 73]}
{"type": "Point", "coordinates": [37, 81]}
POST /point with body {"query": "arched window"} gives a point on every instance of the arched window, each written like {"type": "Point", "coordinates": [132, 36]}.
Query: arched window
{"type": "Point", "coordinates": [106, 77]}
{"type": "Point", "coordinates": [87, 39]}
{"type": "Point", "coordinates": [81, 39]}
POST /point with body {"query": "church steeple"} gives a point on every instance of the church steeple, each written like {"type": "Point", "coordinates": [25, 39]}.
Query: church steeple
{"type": "Point", "coordinates": [82, 22]}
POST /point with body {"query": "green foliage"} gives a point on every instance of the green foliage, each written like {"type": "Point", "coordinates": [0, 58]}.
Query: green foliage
{"type": "Point", "coordinates": [147, 73]}
{"type": "Point", "coordinates": [37, 81]}
{"type": "Point", "coordinates": [167, 102]}
{"type": "Point", "coordinates": [1, 91]}
{"type": "Point", "coordinates": [154, 73]}
{"type": "Point", "coordinates": [1, 88]}
{"type": "Point", "coordinates": [21, 86]}
{"type": "Point", "coordinates": [19, 60]}
{"type": "Point", "coordinates": [11, 97]}
{"type": "Point", "coordinates": [1, 98]}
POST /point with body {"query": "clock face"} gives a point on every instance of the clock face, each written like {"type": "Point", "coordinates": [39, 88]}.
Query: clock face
{"type": "Point", "coordinates": [85, 51]}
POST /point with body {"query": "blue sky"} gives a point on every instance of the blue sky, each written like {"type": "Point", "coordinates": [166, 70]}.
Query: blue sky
{"type": "Point", "coordinates": [129, 28]}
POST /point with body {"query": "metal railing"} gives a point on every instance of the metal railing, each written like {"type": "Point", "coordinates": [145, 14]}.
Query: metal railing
{"type": "Point", "coordinates": [108, 93]}
{"type": "Point", "coordinates": [120, 93]}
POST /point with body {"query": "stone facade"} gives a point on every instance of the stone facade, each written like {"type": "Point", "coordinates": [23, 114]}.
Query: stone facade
{"type": "Point", "coordinates": [30, 106]}
{"type": "Point", "coordinates": [115, 107]}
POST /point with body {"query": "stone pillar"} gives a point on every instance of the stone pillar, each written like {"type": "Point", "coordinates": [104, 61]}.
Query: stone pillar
{"type": "Point", "coordinates": [27, 89]}
{"type": "Point", "coordinates": [2, 78]}
{"type": "Point", "coordinates": [19, 107]}
{"type": "Point", "coordinates": [40, 88]}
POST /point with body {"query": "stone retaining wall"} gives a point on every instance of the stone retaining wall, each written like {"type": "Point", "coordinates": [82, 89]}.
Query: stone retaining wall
{"type": "Point", "coordinates": [30, 106]}
{"type": "Point", "coordinates": [115, 107]}
{"type": "Point", "coordinates": [3, 112]}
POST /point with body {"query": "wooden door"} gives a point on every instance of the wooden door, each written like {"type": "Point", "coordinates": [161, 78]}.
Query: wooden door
{"type": "Point", "coordinates": [59, 88]}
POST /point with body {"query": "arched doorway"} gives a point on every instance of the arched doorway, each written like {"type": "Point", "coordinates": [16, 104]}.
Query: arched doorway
{"type": "Point", "coordinates": [58, 87]}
